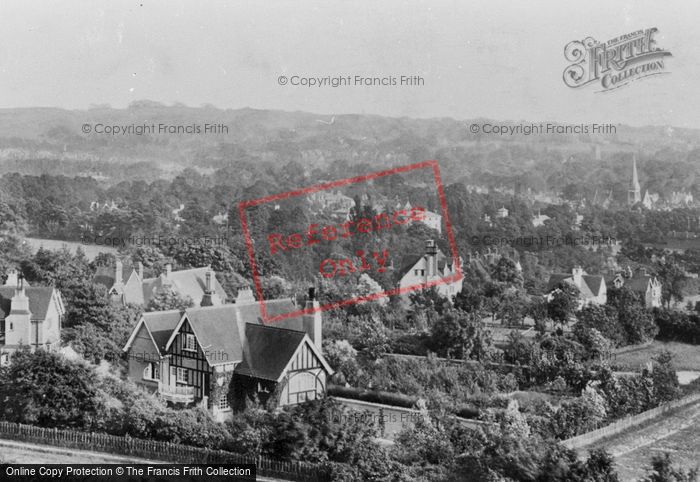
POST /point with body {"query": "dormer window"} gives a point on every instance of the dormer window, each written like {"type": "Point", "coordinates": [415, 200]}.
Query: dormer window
{"type": "Point", "coordinates": [189, 342]}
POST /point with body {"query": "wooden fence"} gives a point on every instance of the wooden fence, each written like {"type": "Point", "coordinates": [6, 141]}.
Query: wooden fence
{"type": "Point", "coordinates": [615, 428]}
{"type": "Point", "coordinates": [161, 451]}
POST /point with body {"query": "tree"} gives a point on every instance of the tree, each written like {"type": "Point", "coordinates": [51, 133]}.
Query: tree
{"type": "Point", "coordinates": [167, 299]}
{"type": "Point", "coordinates": [563, 302]}
{"type": "Point", "coordinates": [97, 326]}
{"type": "Point", "coordinates": [461, 335]}
{"type": "Point", "coordinates": [45, 388]}
{"type": "Point", "coordinates": [673, 281]}
{"type": "Point", "coordinates": [343, 358]}
{"type": "Point", "coordinates": [666, 386]}
{"type": "Point", "coordinates": [372, 340]}
{"type": "Point", "coordinates": [662, 470]}
{"type": "Point", "coordinates": [506, 271]}
{"type": "Point", "coordinates": [602, 318]}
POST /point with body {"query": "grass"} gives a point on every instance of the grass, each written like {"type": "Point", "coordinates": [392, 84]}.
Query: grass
{"type": "Point", "coordinates": [677, 434]}
{"type": "Point", "coordinates": [685, 356]}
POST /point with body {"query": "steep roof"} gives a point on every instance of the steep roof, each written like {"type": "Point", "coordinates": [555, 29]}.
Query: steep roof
{"type": "Point", "coordinates": [409, 261]}
{"type": "Point", "coordinates": [556, 279]}
{"type": "Point", "coordinates": [161, 325]}
{"type": "Point", "coordinates": [270, 350]}
{"type": "Point", "coordinates": [220, 329]}
{"type": "Point", "coordinates": [594, 282]}
{"type": "Point", "coordinates": [639, 283]}
{"type": "Point", "coordinates": [39, 300]}
{"type": "Point", "coordinates": [104, 275]}
{"type": "Point", "coordinates": [590, 284]}
{"type": "Point", "coordinates": [187, 282]}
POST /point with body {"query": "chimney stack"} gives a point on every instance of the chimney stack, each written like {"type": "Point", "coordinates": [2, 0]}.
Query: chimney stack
{"type": "Point", "coordinates": [208, 292]}
{"type": "Point", "coordinates": [118, 268]}
{"type": "Point", "coordinates": [431, 257]}
{"type": "Point", "coordinates": [245, 295]}
{"type": "Point", "coordinates": [313, 320]}
{"type": "Point", "coordinates": [577, 273]}
{"type": "Point", "coordinates": [140, 270]}
{"type": "Point", "coordinates": [168, 270]}
{"type": "Point", "coordinates": [12, 278]}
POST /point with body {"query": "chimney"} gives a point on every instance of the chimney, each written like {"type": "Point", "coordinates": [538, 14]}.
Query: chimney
{"type": "Point", "coordinates": [140, 270]}
{"type": "Point", "coordinates": [208, 292]}
{"type": "Point", "coordinates": [577, 273]}
{"type": "Point", "coordinates": [168, 270]}
{"type": "Point", "coordinates": [431, 257]}
{"type": "Point", "coordinates": [18, 326]}
{"type": "Point", "coordinates": [20, 301]}
{"type": "Point", "coordinates": [313, 321]}
{"type": "Point", "coordinates": [118, 268]}
{"type": "Point", "coordinates": [12, 278]}
{"type": "Point", "coordinates": [245, 295]}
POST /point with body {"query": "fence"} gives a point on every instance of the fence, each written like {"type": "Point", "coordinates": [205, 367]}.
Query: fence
{"type": "Point", "coordinates": [162, 451]}
{"type": "Point", "coordinates": [616, 427]}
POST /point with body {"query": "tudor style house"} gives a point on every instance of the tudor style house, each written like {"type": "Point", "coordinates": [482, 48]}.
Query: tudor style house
{"type": "Point", "coordinates": [129, 285]}
{"type": "Point", "coordinates": [591, 288]}
{"type": "Point", "coordinates": [431, 266]}
{"type": "Point", "coordinates": [29, 316]}
{"type": "Point", "coordinates": [222, 357]}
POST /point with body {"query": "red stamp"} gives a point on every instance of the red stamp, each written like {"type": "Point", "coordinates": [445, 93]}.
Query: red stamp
{"type": "Point", "coordinates": [317, 234]}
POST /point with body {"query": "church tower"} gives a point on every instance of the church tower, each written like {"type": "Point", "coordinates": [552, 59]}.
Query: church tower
{"type": "Point", "coordinates": [634, 195]}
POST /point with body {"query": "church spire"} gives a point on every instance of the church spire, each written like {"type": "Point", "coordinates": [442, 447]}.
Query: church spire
{"type": "Point", "coordinates": [634, 195]}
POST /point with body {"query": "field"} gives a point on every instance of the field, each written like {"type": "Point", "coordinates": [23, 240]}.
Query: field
{"type": "Point", "coordinates": [676, 432]}
{"type": "Point", "coordinates": [90, 250]}
{"type": "Point", "coordinates": [685, 357]}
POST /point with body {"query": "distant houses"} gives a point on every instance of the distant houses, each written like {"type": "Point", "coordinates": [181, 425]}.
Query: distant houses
{"type": "Point", "coordinates": [29, 316]}
{"type": "Point", "coordinates": [646, 285]}
{"type": "Point", "coordinates": [129, 285]}
{"type": "Point", "coordinates": [223, 357]}
{"type": "Point", "coordinates": [591, 288]}
{"type": "Point", "coordinates": [431, 266]}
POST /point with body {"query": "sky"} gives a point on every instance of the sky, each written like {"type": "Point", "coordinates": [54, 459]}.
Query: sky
{"type": "Point", "coordinates": [496, 59]}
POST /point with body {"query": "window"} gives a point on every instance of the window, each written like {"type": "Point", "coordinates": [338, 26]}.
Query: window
{"type": "Point", "coordinates": [189, 342]}
{"type": "Point", "coordinates": [4, 359]}
{"type": "Point", "coordinates": [12, 326]}
{"type": "Point", "coordinates": [182, 375]}
{"type": "Point", "coordinates": [152, 371]}
{"type": "Point", "coordinates": [223, 401]}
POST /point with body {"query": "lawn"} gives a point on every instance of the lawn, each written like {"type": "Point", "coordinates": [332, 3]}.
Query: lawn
{"type": "Point", "coordinates": [685, 357]}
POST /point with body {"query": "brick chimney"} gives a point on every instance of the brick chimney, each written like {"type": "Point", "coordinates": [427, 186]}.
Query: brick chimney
{"type": "Point", "coordinates": [313, 321]}
{"type": "Point", "coordinates": [140, 269]}
{"type": "Point", "coordinates": [577, 274]}
{"type": "Point", "coordinates": [118, 270]}
{"type": "Point", "coordinates": [245, 295]}
{"type": "Point", "coordinates": [18, 323]}
{"type": "Point", "coordinates": [207, 299]}
{"type": "Point", "coordinates": [12, 278]}
{"type": "Point", "coordinates": [431, 257]}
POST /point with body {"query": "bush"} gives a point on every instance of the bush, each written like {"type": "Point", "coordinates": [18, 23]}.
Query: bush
{"type": "Point", "coordinates": [386, 398]}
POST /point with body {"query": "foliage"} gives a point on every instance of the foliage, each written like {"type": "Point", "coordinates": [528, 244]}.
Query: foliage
{"type": "Point", "coordinates": [461, 335]}
{"type": "Point", "coordinates": [167, 299]}
{"type": "Point", "coordinates": [47, 389]}
{"type": "Point", "coordinates": [662, 470]}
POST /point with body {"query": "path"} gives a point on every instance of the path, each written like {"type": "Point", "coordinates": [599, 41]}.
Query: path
{"type": "Point", "coordinates": [14, 452]}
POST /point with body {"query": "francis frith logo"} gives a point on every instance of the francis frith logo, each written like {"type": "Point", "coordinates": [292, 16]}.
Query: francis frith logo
{"type": "Point", "coordinates": [614, 63]}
